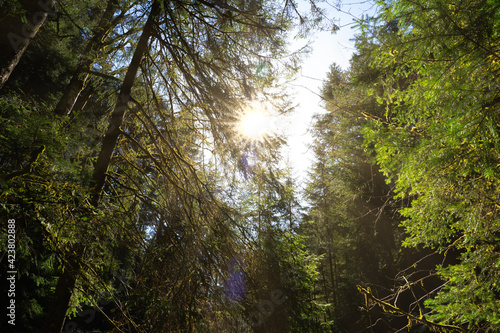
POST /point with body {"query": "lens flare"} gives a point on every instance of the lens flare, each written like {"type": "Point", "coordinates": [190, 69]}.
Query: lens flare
{"type": "Point", "coordinates": [235, 284]}
{"type": "Point", "coordinates": [255, 123]}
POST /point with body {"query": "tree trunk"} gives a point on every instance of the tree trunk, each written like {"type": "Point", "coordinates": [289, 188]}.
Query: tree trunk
{"type": "Point", "coordinates": [333, 276]}
{"type": "Point", "coordinates": [15, 35]}
{"type": "Point", "coordinates": [64, 289]}
{"type": "Point", "coordinates": [111, 137]}
{"type": "Point", "coordinates": [90, 54]}
{"type": "Point", "coordinates": [59, 305]}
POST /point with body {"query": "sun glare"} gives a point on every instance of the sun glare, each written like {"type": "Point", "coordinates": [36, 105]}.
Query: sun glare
{"type": "Point", "coordinates": [254, 123]}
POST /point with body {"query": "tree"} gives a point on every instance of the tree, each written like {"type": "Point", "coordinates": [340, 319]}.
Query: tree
{"type": "Point", "coordinates": [135, 230]}
{"type": "Point", "coordinates": [278, 273]}
{"type": "Point", "coordinates": [351, 222]}
{"type": "Point", "coordinates": [106, 23]}
{"type": "Point", "coordinates": [437, 141]}
{"type": "Point", "coordinates": [184, 73]}
{"type": "Point", "coordinates": [66, 282]}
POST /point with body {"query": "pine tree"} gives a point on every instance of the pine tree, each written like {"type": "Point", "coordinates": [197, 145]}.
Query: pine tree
{"type": "Point", "coordinates": [436, 66]}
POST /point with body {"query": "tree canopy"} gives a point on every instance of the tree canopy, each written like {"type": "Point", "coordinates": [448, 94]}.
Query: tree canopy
{"type": "Point", "coordinates": [134, 201]}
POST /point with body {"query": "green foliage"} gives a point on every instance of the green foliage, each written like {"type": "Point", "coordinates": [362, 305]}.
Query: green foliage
{"type": "Point", "coordinates": [477, 279]}
{"type": "Point", "coordinates": [436, 68]}
{"type": "Point", "coordinates": [34, 193]}
{"type": "Point", "coordinates": [154, 254]}
{"type": "Point", "coordinates": [350, 224]}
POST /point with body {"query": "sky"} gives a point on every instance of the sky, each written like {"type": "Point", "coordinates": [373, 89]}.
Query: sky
{"type": "Point", "coordinates": [327, 48]}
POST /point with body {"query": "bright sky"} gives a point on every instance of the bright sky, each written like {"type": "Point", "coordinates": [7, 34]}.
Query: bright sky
{"type": "Point", "coordinates": [327, 48]}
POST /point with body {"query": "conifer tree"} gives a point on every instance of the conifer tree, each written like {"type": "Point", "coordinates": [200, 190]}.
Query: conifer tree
{"type": "Point", "coordinates": [435, 66]}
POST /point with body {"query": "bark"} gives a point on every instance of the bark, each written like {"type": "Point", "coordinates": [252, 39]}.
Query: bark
{"type": "Point", "coordinates": [333, 275]}
{"type": "Point", "coordinates": [326, 289]}
{"type": "Point", "coordinates": [58, 307]}
{"type": "Point", "coordinates": [57, 312]}
{"type": "Point", "coordinates": [87, 60]}
{"type": "Point", "coordinates": [15, 35]}
{"type": "Point", "coordinates": [111, 136]}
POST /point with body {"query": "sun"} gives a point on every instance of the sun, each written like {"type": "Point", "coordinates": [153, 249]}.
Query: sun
{"type": "Point", "coordinates": [255, 123]}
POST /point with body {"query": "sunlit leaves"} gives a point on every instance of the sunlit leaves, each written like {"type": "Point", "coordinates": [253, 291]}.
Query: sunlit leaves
{"type": "Point", "coordinates": [437, 80]}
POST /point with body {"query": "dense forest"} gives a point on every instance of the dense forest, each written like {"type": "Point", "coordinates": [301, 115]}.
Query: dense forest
{"type": "Point", "coordinates": [134, 197]}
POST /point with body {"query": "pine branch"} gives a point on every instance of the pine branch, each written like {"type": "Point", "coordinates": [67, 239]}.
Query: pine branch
{"type": "Point", "coordinates": [387, 307]}
{"type": "Point", "coordinates": [28, 168]}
